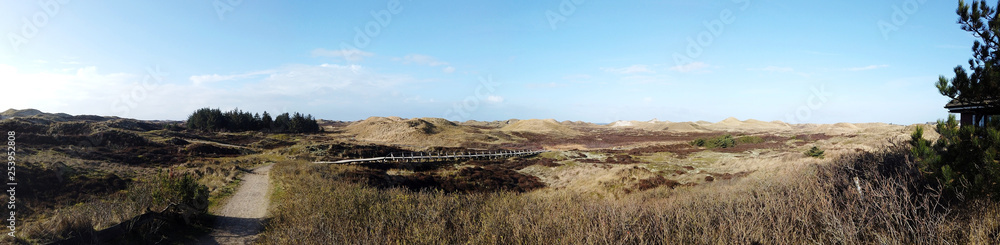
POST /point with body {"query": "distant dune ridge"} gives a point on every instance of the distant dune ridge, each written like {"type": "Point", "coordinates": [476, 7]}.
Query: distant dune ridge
{"type": "Point", "coordinates": [438, 131]}
{"type": "Point", "coordinates": [12, 113]}
{"type": "Point", "coordinates": [489, 124]}
{"type": "Point", "coordinates": [657, 125]}
{"type": "Point", "coordinates": [728, 124]}
{"type": "Point", "coordinates": [541, 126]}
{"type": "Point", "coordinates": [733, 124]}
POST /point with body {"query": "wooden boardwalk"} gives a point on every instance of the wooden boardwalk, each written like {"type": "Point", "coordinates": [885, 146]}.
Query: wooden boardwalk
{"type": "Point", "coordinates": [440, 156]}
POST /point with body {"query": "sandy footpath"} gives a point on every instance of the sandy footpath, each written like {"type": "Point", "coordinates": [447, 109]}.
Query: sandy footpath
{"type": "Point", "coordinates": [239, 221]}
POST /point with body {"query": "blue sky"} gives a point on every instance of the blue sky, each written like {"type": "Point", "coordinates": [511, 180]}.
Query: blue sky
{"type": "Point", "coordinates": [597, 61]}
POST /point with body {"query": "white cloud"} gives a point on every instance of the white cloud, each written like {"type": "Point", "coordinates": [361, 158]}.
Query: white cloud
{"type": "Point", "coordinates": [140, 95]}
{"type": "Point", "coordinates": [298, 80]}
{"type": "Point", "coordinates": [494, 99]}
{"type": "Point", "coordinates": [865, 68]}
{"type": "Point", "coordinates": [79, 89]}
{"type": "Point", "coordinates": [628, 70]}
{"type": "Point", "coordinates": [201, 79]}
{"type": "Point", "coordinates": [449, 69]}
{"type": "Point", "coordinates": [352, 55]}
{"type": "Point", "coordinates": [773, 69]}
{"type": "Point", "coordinates": [690, 67]}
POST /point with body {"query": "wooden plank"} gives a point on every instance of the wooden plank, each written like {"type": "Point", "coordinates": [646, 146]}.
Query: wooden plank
{"type": "Point", "coordinates": [432, 156]}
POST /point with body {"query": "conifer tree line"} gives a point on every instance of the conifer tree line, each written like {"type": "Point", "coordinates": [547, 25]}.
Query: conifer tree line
{"type": "Point", "coordinates": [208, 119]}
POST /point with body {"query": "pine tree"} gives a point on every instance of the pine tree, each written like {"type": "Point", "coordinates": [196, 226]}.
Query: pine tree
{"type": "Point", "coordinates": [266, 123]}
{"type": "Point", "coordinates": [965, 159]}
{"type": "Point", "coordinates": [983, 84]}
{"type": "Point", "coordinates": [281, 123]}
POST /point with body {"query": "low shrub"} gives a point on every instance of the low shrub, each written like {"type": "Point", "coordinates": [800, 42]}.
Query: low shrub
{"type": "Point", "coordinates": [965, 159]}
{"type": "Point", "coordinates": [180, 195]}
{"type": "Point", "coordinates": [723, 141]}
{"type": "Point", "coordinates": [815, 152]}
{"type": "Point", "coordinates": [653, 182]}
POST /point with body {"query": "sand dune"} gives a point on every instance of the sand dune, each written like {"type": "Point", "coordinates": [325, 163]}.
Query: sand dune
{"type": "Point", "coordinates": [441, 132]}
{"type": "Point", "coordinates": [395, 130]}
{"type": "Point", "coordinates": [733, 124]}
{"type": "Point", "coordinates": [541, 126]}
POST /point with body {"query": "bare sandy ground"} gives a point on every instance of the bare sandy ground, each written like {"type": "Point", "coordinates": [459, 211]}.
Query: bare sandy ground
{"type": "Point", "coordinates": [239, 221]}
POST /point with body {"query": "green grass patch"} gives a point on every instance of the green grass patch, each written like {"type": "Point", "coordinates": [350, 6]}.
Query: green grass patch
{"type": "Point", "coordinates": [557, 155]}
{"type": "Point", "coordinates": [725, 141]}
{"type": "Point", "coordinates": [226, 191]}
{"type": "Point", "coordinates": [749, 140]}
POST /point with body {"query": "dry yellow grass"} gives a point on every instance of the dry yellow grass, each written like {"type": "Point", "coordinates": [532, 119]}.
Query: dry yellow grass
{"type": "Point", "coordinates": [796, 203]}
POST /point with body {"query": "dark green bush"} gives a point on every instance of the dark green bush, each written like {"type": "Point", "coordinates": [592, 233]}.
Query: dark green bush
{"type": "Point", "coordinates": [965, 159]}
{"type": "Point", "coordinates": [815, 152]}
{"type": "Point", "coordinates": [723, 141]}
{"type": "Point", "coordinates": [182, 189]}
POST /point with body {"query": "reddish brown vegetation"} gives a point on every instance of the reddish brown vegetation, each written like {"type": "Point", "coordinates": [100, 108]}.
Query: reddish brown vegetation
{"type": "Point", "coordinates": [653, 182]}
{"type": "Point", "coordinates": [548, 162]}
{"type": "Point", "coordinates": [467, 180]}
{"type": "Point", "coordinates": [613, 159]}
{"type": "Point", "coordinates": [620, 159]}
{"type": "Point", "coordinates": [727, 176]}
{"type": "Point", "coordinates": [515, 163]}
{"type": "Point", "coordinates": [491, 179]}
{"type": "Point", "coordinates": [333, 152]}
{"type": "Point", "coordinates": [603, 138]}
{"type": "Point", "coordinates": [200, 149]}
{"type": "Point", "coordinates": [61, 186]}
{"type": "Point", "coordinates": [486, 176]}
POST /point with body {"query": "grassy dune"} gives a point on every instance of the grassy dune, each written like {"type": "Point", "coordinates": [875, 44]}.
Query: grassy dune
{"type": "Point", "coordinates": [796, 204]}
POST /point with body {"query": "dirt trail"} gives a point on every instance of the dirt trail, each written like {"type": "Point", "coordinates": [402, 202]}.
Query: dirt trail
{"type": "Point", "coordinates": [239, 221]}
